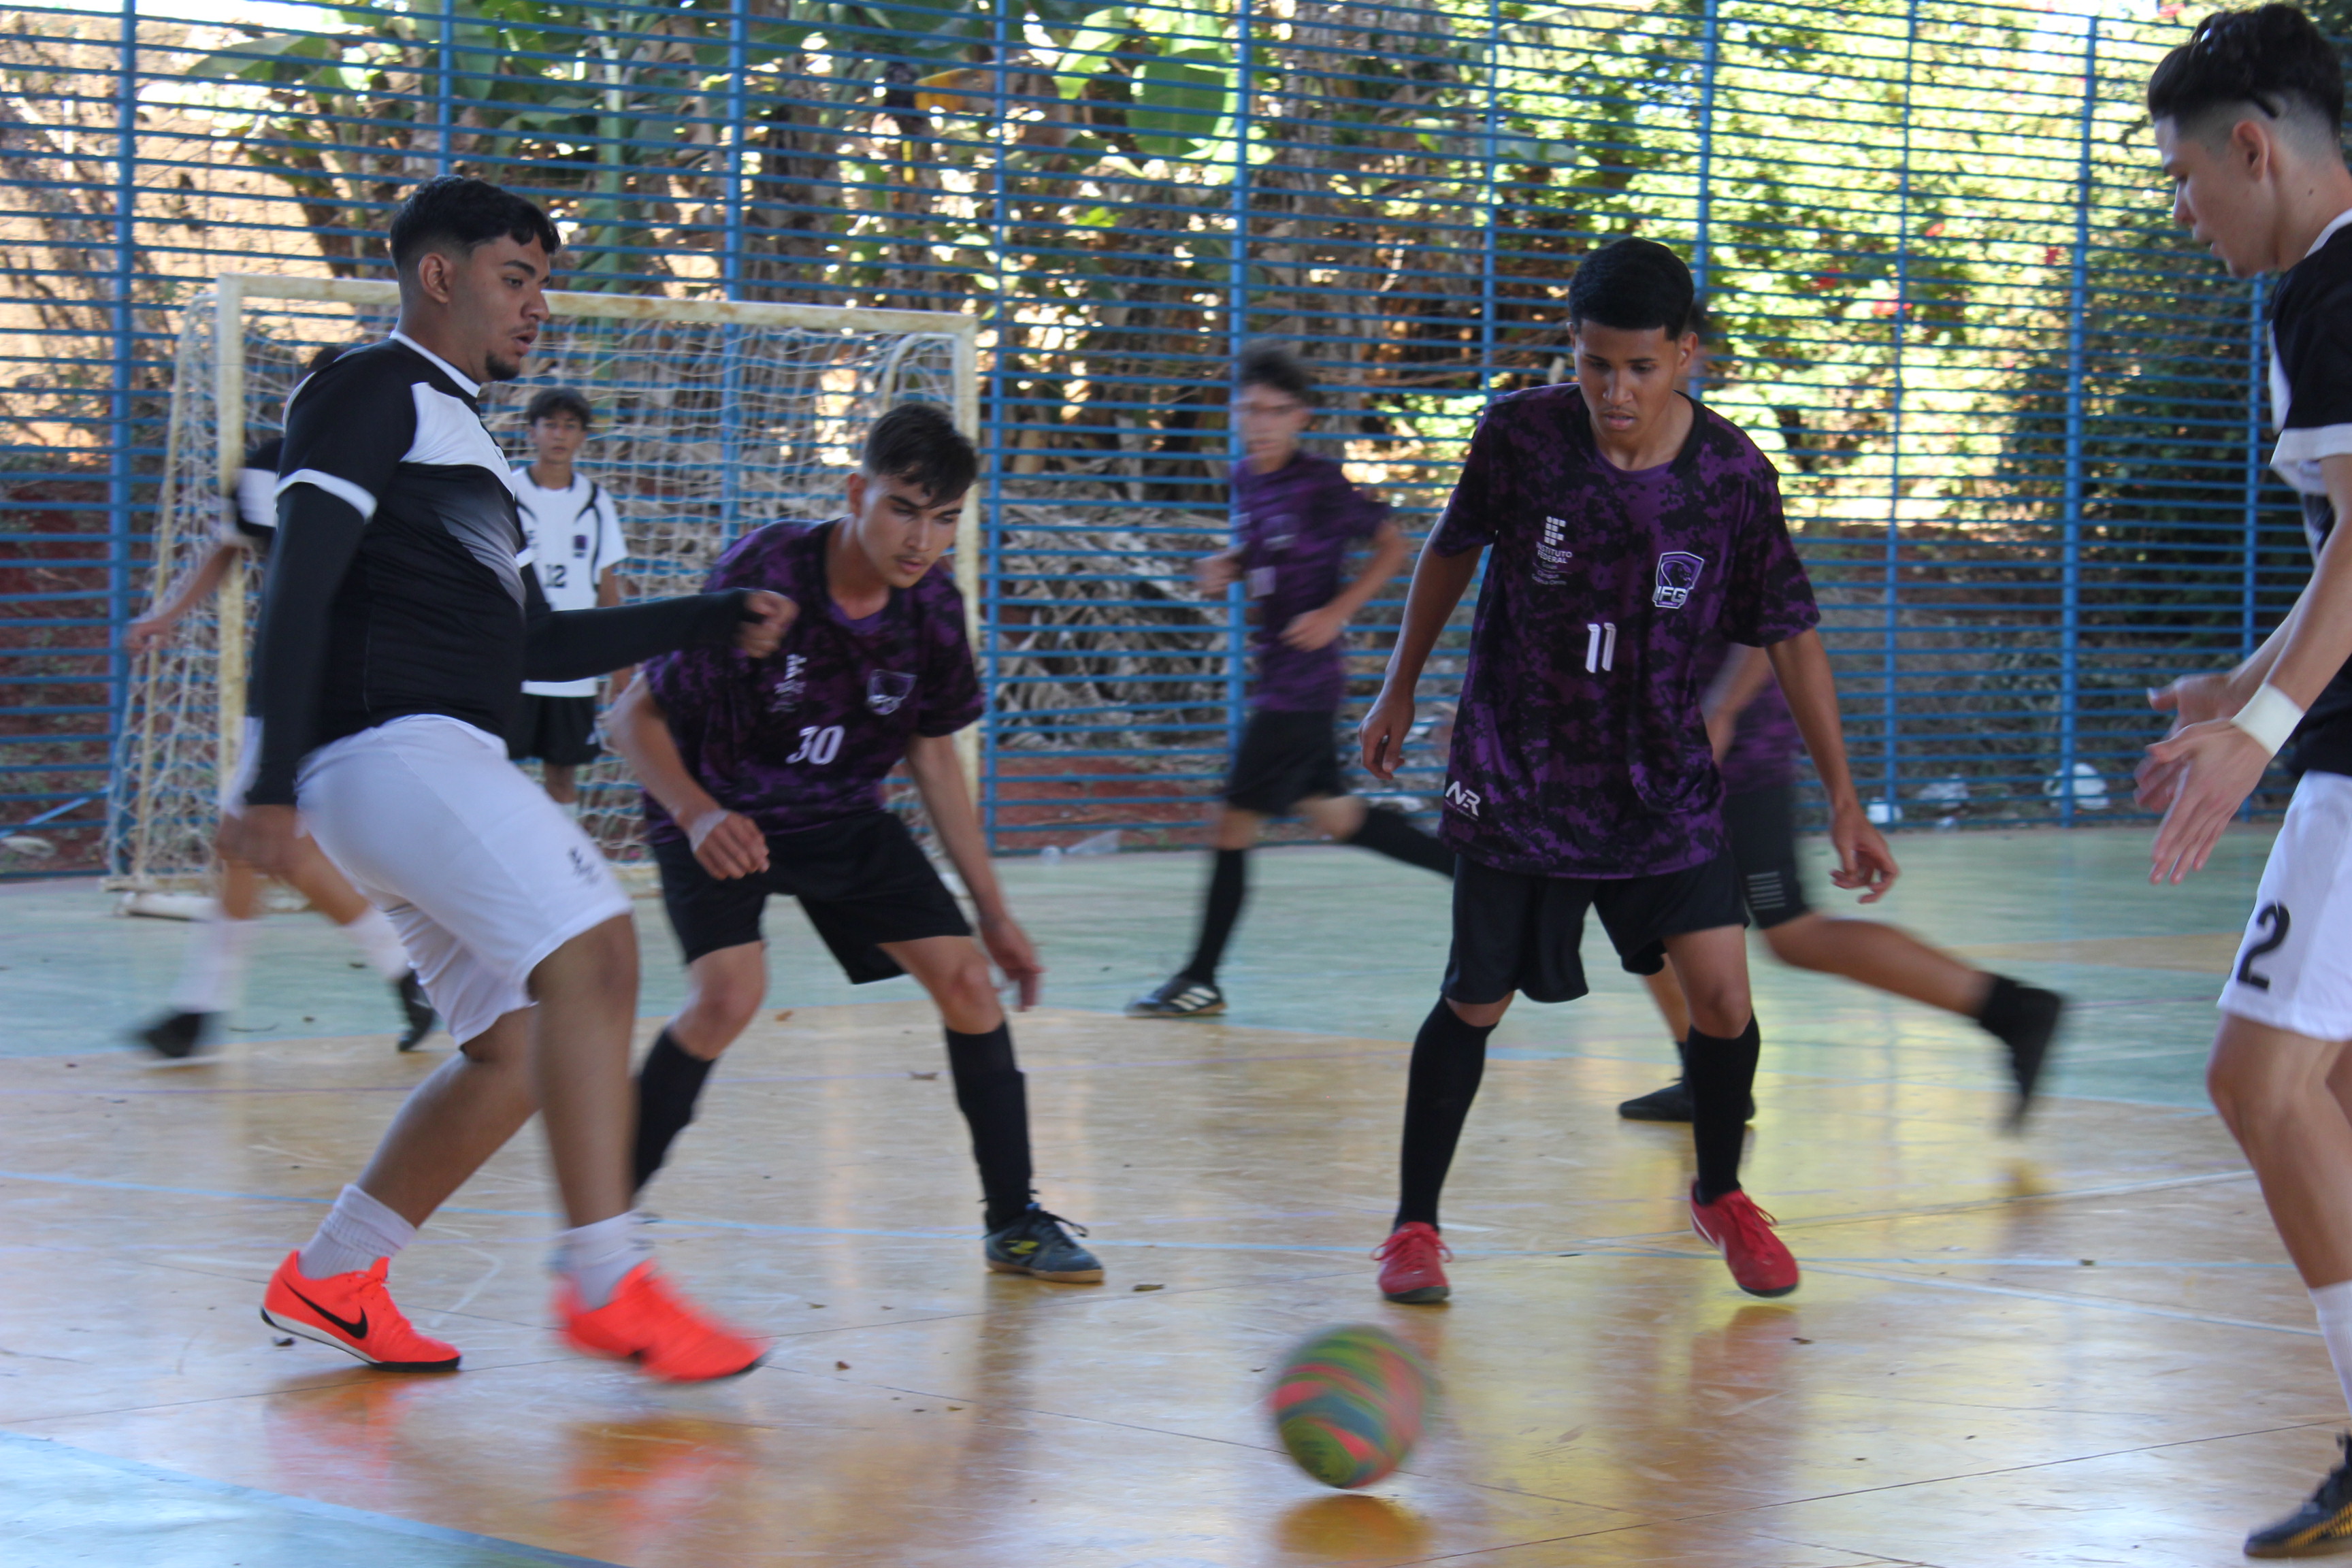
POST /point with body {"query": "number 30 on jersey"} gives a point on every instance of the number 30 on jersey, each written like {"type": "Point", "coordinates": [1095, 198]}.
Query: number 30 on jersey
{"type": "Point", "coordinates": [820, 743]}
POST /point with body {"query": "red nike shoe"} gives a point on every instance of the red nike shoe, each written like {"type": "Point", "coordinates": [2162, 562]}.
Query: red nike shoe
{"type": "Point", "coordinates": [1410, 1269]}
{"type": "Point", "coordinates": [354, 1313]}
{"type": "Point", "coordinates": [649, 1324]}
{"type": "Point", "coordinates": [1759, 1263]}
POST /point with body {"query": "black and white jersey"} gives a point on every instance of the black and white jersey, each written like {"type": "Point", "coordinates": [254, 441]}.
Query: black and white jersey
{"type": "Point", "coordinates": [575, 536]}
{"type": "Point", "coordinates": [2311, 409]}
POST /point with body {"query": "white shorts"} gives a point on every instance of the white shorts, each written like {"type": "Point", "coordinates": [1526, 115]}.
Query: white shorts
{"type": "Point", "coordinates": [481, 874]}
{"type": "Point", "coordinates": [2293, 970]}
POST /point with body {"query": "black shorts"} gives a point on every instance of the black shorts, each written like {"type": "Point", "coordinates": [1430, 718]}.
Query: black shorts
{"type": "Point", "coordinates": [1763, 829]}
{"type": "Point", "coordinates": [862, 882]}
{"type": "Point", "coordinates": [1284, 758]}
{"type": "Point", "coordinates": [1516, 931]}
{"type": "Point", "coordinates": [559, 729]}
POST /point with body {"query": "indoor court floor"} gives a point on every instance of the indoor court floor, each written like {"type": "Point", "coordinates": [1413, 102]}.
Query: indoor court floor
{"type": "Point", "coordinates": [2083, 1346]}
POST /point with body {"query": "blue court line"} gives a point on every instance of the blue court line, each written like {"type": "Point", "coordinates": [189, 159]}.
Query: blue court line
{"type": "Point", "coordinates": [336, 1513]}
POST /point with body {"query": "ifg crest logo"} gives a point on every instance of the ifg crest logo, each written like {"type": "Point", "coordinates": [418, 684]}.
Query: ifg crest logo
{"type": "Point", "coordinates": [1678, 572]}
{"type": "Point", "coordinates": [887, 688]}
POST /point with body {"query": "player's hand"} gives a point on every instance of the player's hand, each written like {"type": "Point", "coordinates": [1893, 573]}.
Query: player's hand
{"type": "Point", "coordinates": [1720, 729]}
{"type": "Point", "coordinates": [727, 844]}
{"type": "Point", "coordinates": [2193, 700]}
{"type": "Point", "coordinates": [766, 618]}
{"type": "Point", "coordinates": [262, 837]}
{"type": "Point", "coordinates": [2204, 772]}
{"type": "Point", "coordinates": [145, 635]}
{"type": "Point", "coordinates": [1384, 732]}
{"type": "Point", "coordinates": [1864, 859]}
{"type": "Point", "coordinates": [1010, 946]}
{"type": "Point", "coordinates": [1217, 573]}
{"type": "Point", "coordinates": [1315, 630]}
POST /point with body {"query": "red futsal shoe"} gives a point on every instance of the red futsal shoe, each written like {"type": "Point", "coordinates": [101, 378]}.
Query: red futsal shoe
{"type": "Point", "coordinates": [354, 1313]}
{"type": "Point", "coordinates": [648, 1324]}
{"type": "Point", "coordinates": [1760, 1264]}
{"type": "Point", "coordinates": [1410, 1271]}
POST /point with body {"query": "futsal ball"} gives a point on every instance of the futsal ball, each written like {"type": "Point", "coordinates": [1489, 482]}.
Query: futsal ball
{"type": "Point", "coordinates": [1348, 1403]}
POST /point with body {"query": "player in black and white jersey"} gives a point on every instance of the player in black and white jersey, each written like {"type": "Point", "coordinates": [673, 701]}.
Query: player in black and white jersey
{"type": "Point", "coordinates": [2247, 117]}
{"type": "Point", "coordinates": [574, 532]}
{"type": "Point", "coordinates": [401, 619]}
{"type": "Point", "coordinates": [211, 972]}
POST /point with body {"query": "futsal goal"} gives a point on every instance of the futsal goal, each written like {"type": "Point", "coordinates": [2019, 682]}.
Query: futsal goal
{"type": "Point", "coordinates": [712, 417]}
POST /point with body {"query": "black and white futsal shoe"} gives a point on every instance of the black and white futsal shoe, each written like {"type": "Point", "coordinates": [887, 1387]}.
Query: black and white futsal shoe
{"type": "Point", "coordinates": [1181, 998]}
{"type": "Point", "coordinates": [178, 1035]}
{"type": "Point", "coordinates": [2321, 1527]}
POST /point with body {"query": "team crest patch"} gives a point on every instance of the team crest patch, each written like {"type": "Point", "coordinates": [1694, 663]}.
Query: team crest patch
{"type": "Point", "coordinates": [1552, 555]}
{"type": "Point", "coordinates": [1678, 572]}
{"type": "Point", "coordinates": [786, 694]}
{"type": "Point", "coordinates": [887, 688]}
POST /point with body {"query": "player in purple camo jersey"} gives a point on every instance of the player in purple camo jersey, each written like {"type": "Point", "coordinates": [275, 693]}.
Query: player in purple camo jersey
{"type": "Point", "coordinates": [1296, 518]}
{"type": "Point", "coordinates": [1627, 526]}
{"type": "Point", "coordinates": [1756, 744]}
{"type": "Point", "coordinates": [765, 776]}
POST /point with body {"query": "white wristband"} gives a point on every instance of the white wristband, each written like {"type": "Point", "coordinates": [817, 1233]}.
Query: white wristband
{"type": "Point", "coordinates": [2270, 716]}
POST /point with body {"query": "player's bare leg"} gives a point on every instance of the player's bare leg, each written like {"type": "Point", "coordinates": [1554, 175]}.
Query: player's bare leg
{"type": "Point", "coordinates": [1885, 957]}
{"type": "Point", "coordinates": [562, 782]}
{"type": "Point", "coordinates": [2287, 1100]}
{"type": "Point", "coordinates": [470, 1109]}
{"type": "Point", "coordinates": [587, 997]}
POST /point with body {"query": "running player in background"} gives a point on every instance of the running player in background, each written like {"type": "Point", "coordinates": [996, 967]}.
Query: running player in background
{"type": "Point", "coordinates": [1295, 517]}
{"type": "Point", "coordinates": [577, 548]}
{"type": "Point", "coordinates": [1629, 525]}
{"type": "Point", "coordinates": [401, 620]}
{"type": "Point", "coordinates": [212, 974]}
{"type": "Point", "coordinates": [767, 779]}
{"type": "Point", "coordinates": [2247, 117]}
{"type": "Point", "coordinates": [1756, 744]}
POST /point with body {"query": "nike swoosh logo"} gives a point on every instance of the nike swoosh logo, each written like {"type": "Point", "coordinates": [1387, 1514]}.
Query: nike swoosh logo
{"type": "Point", "coordinates": [357, 1330]}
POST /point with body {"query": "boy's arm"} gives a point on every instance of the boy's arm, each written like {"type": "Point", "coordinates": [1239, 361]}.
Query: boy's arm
{"type": "Point", "coordinates": [2204, 771]}
{"type": "Point", "coordinates": [1864, 858]}
{"type": "Point", "coordinates": [728, 844]}
{"type": "Point", "coordinates": [1745, 671]}
{"type": "Point", "coordinates": [938, 773]}
{"type": "Point", "coordinates": [149, 630]}
{"type": "Point", "coordinates": [1318, 628]}
{"type": "Point", "coordinates": [1439, 581]}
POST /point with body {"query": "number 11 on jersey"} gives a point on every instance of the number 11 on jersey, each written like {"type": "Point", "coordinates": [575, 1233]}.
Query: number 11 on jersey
{"type": "Point", "coordinates": [1599, 645]}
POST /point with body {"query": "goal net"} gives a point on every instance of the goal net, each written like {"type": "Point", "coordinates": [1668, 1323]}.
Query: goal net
{"type": "Point", "coordinates": [712, 417]}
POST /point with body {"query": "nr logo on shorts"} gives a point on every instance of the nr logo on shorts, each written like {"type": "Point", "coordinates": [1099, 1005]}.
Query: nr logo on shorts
{"type": "Point", "coordinates": [582, 865]}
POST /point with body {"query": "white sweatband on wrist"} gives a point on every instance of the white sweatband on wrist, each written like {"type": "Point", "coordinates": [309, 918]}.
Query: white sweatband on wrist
{"type": "Point", "coordinates": [2270, 716]}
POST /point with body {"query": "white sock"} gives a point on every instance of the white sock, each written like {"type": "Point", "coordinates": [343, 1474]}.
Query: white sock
{"type": "Point", "coordinates": [212, 974]}
{"type": "Point", "coordinates": [374, 934]}
{"type": "Point", "coordinates": [2333, 1305]}
{"type": "Point", "coordinates": [356, 1232]}
{"type": "Point", "coordinates": [570, 809]}
{"type": "Point", "coordinates": [598, 1257]}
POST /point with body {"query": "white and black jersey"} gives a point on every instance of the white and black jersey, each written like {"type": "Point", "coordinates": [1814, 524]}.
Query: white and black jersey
{"type": "Point", "coordinates": [401, 585]}
{"type": "Point", "coordinates": [574, 537]}
{"type": "Point", "coordinates": [2311, 407]}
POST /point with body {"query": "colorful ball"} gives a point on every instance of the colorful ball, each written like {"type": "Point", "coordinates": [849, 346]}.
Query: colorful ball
{"type": "Point", "coordinates": [1348, 1403]}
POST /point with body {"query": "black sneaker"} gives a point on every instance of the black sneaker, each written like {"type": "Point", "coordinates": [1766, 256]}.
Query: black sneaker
{"type": "Point", "coordinates": [1037, 1244]}
{"type": "Point", "coordinates": [2028, 1033]}
{"type": "Point", "coordinates": [1181, 998]}
{"type": "Point", "coordinates": [178, 1035]}
{"type": "Point", "coordinates": [1672, 1103]}
{"type": "Point", "coordinates": [2320, 1528]}
{"type": "Point", "coordinates": [415, 1007]}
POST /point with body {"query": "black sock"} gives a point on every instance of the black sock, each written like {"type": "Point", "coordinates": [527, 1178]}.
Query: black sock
{"type": "Point", "coordinates": [994, 1100]}
{"type": "Point", "coordinates": [1388, 833]}
{"type": "Point", "coordinates": [1227, 882]}
{"type": "Point", "coordinates": [2004, 1011]}
{"type": "Point", "coordinates": [667, 1086]}
{"type": "Point", "coordinates": [1722, 1074]}
{"type": "Point", "coordinates": [1449, 1057]}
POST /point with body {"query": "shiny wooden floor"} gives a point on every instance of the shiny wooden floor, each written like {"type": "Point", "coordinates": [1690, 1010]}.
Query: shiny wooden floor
{"type": "Point", "coordinates": [2084, 1347]}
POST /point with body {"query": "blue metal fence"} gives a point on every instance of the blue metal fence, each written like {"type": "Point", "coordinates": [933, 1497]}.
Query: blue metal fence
{"type": "Point", "coordinates": [2017, 419]}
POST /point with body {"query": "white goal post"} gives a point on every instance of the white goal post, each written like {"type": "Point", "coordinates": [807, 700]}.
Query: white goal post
{"type": "Point", "coordinates": [714, 417]}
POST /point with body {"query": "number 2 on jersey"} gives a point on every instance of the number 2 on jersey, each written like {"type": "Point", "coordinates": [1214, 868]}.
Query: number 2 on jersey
{"type": "Point", "coordinates": [820, 743]}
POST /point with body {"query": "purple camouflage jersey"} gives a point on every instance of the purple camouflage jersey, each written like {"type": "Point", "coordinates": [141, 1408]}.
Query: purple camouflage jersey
{"type": "Point", "coordinates": [806, 736]}
{"type": "Point", "coordinates": [1577, 749]}
{"type": "Point", "coordinates": [1294, 528]}
{"type": "Point", "coordinates": [1764, 742]}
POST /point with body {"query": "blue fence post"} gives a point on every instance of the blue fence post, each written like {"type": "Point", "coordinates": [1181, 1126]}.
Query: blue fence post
{"type": "Point", "coordinates": [731, 273]}
{"type": "Point", "coordinates": [445, 70]}
{"type": "Point", "coordinates": [1489, 322]}
{"type": "Point", "coordinates": [994, 414]}
{"type": "Point", "coordinates": [1890, 709]}
{"type": "Point", "coordinates": [122, 433]}
{"type": "Point", "coordinates": [1709, 57]}
{"type": "Point", "coordinates": [2070, 572]}
{"type": "Point", "coordinates": [1236, 335]}
{"type": "Point", "coordinates": [2249, 583]}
